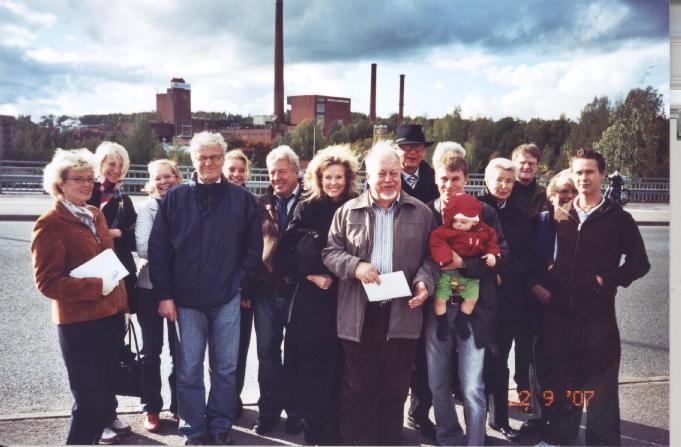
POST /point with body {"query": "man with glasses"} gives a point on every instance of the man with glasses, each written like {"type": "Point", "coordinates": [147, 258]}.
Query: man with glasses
{"type": "Point", "coordinates": [205, 239]}
{"type": "Point", "coordinates": [418, 180]}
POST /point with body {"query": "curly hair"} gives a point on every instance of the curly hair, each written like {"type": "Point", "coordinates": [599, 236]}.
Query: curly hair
{"type": "Point", "coordinates": [337, 154]}
{"type": "Point", "coordinates": [63, 161]}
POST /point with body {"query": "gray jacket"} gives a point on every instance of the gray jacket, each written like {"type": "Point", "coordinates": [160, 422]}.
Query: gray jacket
{"type": "Point", "coordinates": [145, 220]}
{"type": "Point", "coordinates": [350, 241]}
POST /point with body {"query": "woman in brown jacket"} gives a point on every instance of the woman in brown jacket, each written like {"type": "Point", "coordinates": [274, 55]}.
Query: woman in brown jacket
{"type": "Point", "coordinates": [89, 312]}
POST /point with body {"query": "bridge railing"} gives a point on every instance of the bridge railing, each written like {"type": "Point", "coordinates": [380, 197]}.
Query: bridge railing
{"type": "Point", "coordinates": [26, 177]}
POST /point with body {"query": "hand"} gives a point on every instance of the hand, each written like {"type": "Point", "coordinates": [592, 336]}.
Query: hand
{"type": "Point", "coordinates": [420, 295]}
{"type": "Point", "coordinates": [322, 281]}
{"type": "Point", "coordinates": [115, 232]}
{"type": "Point", "coordinates": [457, 262]}
{"type": "Point", "coordinates": [599, 280]}
{"type": "Point", "coordinates": [367, 273]}
{"type": "Point", "coordinates": [499, 280]}
{"type": "Point", "coordinates": [490, 260]}
{"type": "Point", "coordinates": [166, 309]}
{"type": "Point", "coordinates": [542, 294]}
{"type": "Point", "coordinates": [108, 284]}
{"type": "Point", "coordinates": [245, 303]}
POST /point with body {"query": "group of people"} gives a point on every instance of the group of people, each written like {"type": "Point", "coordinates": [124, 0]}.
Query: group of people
{"type": "Point", "coordinates": [519, 264]}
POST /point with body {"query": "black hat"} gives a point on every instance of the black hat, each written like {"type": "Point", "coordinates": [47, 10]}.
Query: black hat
{"type": "Point", "coordinates": [411, 134]}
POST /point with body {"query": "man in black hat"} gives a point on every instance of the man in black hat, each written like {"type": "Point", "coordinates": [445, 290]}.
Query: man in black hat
{"type": "Point", "coordinates": [418, 180]}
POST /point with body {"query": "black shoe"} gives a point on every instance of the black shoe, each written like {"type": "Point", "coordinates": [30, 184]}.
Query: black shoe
{"type": "Point", "coordinates": [425, 426]}
{"type": "Point", "coordinates": [508, 433]}
{"type": "Point", "coordinates": [223, 439]}
{"type": "Point", "coordinates": [294, 425]}
{"type": "Point", "coordinates": [193, 441]}
{"type": "Point", "coordinates": [265, 425]}
{"type": "Point", "coordinates": [239, 408]}
{"type": "Point", "coordinates": [531, 426]}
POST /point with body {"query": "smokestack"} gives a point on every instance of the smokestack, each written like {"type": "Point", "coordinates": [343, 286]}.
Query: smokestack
{"type": "Point", "coordinates": [400, 114]}
{"type": "Point", "coordinates": [278, 62]}
{"type": "Point", "coordinates": [372, 96]}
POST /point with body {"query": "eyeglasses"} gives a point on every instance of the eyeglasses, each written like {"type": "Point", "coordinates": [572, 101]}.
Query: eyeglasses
{"type": "Point", "coordinates": [412, 147]}
{"type": "Point", "coordinates": [82, 180]}
{"type": "Point", "coordinates": [213, 158]}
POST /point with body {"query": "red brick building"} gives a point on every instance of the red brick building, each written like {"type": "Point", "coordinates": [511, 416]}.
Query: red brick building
{"type": "Point", "coordinates": [327, 110]}
{"type": "Point", "coordinates": [175, 106]}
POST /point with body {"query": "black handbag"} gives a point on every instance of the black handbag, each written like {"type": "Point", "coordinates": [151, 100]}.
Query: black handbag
{"type": "Point", "coordinates": [130, 377]}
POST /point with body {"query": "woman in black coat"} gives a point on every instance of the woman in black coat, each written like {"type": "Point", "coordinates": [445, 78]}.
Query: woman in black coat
{"type": "Point", "coordinates": [313, 360]}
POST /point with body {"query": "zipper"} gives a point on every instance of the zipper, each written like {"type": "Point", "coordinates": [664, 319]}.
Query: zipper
{"type": "Point", "coordinates": [574, 261]}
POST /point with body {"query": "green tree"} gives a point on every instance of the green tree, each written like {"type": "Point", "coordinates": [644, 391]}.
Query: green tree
{"type": "Point", "coordinates": [306, 139]}
{"type": "Point", "coordinates": [143, 144]}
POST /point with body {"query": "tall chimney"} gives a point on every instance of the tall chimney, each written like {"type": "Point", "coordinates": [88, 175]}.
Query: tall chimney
{"type": "Point", "coordinates": [400, 114]}
{"type": "Point", "coordinates": [278, 117]}
{"type": "Point", "coordinates": [372, 96]}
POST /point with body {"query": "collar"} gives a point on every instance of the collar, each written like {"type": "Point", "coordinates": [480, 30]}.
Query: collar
{"type": "Point", "coordinates": [406, 175]}
{"type": "Point", "coordinates": [293, 193]}
{"type": "Point", "coordinates": [200, 182]}
{"type": "Point", "coordinates": [590, 210]}
{"type": "Point", "coordinates": [373, 203]}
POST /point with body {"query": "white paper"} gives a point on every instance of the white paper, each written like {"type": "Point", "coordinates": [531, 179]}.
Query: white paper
{"type": "Point", "coordinates": [100, 266]}
{"type": "Point", "coordinates": [393, 285]}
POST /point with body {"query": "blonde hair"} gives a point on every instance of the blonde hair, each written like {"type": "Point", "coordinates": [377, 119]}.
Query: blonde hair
{"type": "Point", "coordinates": [149, 187]}
{"type": "Point", "coordinates": [63, 161]}
{"type": "Point", "coordinates": [111, 149]}
{"type": "Point", "coordinates": [237, 154]}
{"type": "Point", "coordinates": [563, 177]}
{"type": "Point", "coordinates": [447, 149]}
{"type": "Point", "coordinates": [338, 154]}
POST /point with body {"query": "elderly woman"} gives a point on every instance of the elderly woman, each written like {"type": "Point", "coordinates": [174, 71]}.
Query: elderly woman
{"type": "Point", "coordinates": [163, 175]}
{"type": "Point", "coordinates": [330, 181]}
{"type": "Point", "coordinates": [514, 307]}
{"type": "Point", "coordinates": [237, 168]}
{"type": "Point", "coordinates": [468, 336]}
{"type": "Point", "coordinates": [111, 165]}
{"type": "Point", "coordinates": [89, 312]}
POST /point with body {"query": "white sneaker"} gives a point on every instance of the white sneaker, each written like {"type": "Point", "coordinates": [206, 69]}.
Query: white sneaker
{"type": "Point", "coordinates": [120, 427]}
{"type": "Point", "coordinates": [108, 436]}
{"type": "Point", "coordinates": [545, 444]}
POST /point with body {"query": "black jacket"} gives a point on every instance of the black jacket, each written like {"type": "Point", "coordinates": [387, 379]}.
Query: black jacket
{"type": "Point", "coordinates": [426, 189]}
{"type": "Point", "coordinates": [484, 313]}
{"type": "Point", "coordinates": [530, 198]}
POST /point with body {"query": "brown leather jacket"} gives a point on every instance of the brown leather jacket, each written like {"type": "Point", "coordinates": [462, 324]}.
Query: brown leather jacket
{"type": "Point", "coordinates": [60, 243]}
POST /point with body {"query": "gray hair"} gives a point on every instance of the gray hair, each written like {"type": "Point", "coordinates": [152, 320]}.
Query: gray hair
{"type": "Point", "coordinates": [501, 163]}
{"type": "Point", "coordinates": [447, 148]}
{"type": "Point", "coordinates": [114, 150]}
{"type": "Point", "coordinates": [563, 177]}
{"type": "Point", "coordinates": [282, 153]}
{"type": "Point", "coordinates": [206, 139]}
{"type": "Point", "coordinates": [381, 150]}
{"type": "Point", "coordinates": [63, 161]}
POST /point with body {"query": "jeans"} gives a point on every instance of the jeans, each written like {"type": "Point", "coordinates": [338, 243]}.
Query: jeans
{"type": "Point", "coordinates": [471, 362]}
{"type": "Point", "coordinates": [90, 349]}
{"type": "Point", "coordinates": [244, 342]}
{"type": "Point", "coordinates": [151, 324]}
{"type": "Point", "coordinates": [219, 328]}
{"type": "Point", "coordinates": [270, 317]}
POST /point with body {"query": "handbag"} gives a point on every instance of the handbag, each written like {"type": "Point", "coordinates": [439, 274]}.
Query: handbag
{"type": "Point", "coordinates": [307, 253]}
{"type": "Point", "coordinates": [130, 377]}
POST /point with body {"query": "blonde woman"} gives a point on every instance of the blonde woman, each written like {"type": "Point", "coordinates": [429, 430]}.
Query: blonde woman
{"type": "Point", "coordinates": [89, 312]}
{"type": "Point", "coordinates": [163, 175]}
{"type": "Point", "coordinates": [237, 167]}
{"type": "Point", "coordinates": [312, 344]}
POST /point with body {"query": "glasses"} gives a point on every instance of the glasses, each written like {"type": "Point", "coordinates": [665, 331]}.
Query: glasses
{"type": "Point", "coordinates": [82, 180]}
{"type": "Point", "coordinates": [412, 148]}
{"type": "Point", "coordinates": [213, 158]}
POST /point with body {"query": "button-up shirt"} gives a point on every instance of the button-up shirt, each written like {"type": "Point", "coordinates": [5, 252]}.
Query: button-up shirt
{"type": "Point", "coordinates": [382, 249]}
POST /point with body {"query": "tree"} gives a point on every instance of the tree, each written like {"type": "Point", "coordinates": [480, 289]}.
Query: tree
{"type": "Point", "coordinates": [306, 139]}
{"type": "Point", "coordinates": [143, 144]}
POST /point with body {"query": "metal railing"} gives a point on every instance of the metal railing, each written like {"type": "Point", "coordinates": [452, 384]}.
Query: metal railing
{"type": "Point", "coordinates": [27, 177]}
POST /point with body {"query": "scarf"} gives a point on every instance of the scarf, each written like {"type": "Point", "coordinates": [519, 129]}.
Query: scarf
{"type": "Point", "coordinates": [82, 214]}
{"type": "Point", "coordinates": [109, 191]}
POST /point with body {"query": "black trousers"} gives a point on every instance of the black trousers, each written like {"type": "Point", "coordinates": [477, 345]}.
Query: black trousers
{"type": "Point", "coordinates": [91, 352]}
{"type": "Point", "coordinates": [421, 399]}
{"type": "Point", "coordinates": [244, 342]}
{"type": "Point", "coordinates": [584, 357]}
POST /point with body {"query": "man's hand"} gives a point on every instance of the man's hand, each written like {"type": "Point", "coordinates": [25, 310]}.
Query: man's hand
{"type": "Point", "coordinates": [245, 303]}
{"type": "Point", "coordinates": [542, 294]}
{"type": "Point", "coordinates": [367, 273]}
{"type": "Point", "coordinates": [420, 295]}
{"type": "Point", "coordinates": [457, 262]}
{"type": "Point", "coordinates": [321, 281]}
{"type": "Point", "coordinates": [166, 309]}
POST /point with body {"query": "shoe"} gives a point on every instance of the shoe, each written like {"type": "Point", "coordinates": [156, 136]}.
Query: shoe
{"type": "Point", "coordinates": [120, 427]}
{"type": "Point", "coordinates": [265, 425]}
{"type": "Point", "coordinates": [294, 425]}
{"type": "Point", "coordinates": [545, 444]}
{"type": "Point", "coordinates": [108, 436]}
{"type": "Point", "coordinates": [152, 422]}
{"type": "Point", "coordinates": [175, 418]}
{"type": "Point", "coordinates": [508, 433]}
{"type": "Point", "coordinates": [425, 426]}
{"type": "Point", "coordinates": [223, 439]}
{"type": "Point", "coordinates": [194, 441]}
{"type": "Point", "coordinates": [531, 426]}
{"type": "Point", "coordinates": [239, 408]}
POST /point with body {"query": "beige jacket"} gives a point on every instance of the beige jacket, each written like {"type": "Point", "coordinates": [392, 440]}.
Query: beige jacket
{"type": "Point", "coordinates": [350, 241]}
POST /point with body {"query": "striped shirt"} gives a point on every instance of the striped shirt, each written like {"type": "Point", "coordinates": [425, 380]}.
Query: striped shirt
{"type": "Point", "coordinates": [382, 249]}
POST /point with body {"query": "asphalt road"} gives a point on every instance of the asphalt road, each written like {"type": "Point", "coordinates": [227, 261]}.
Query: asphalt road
{"type": "Point", "coordinates": [33, 378]}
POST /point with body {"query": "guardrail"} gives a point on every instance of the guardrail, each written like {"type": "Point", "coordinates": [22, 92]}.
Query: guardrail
{"type": "Point", "coordinates": [27, 177]}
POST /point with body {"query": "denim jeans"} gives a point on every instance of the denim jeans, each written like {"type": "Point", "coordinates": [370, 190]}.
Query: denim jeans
{"type": "Point", "coordinates": [219, 328]}
{"type": "Point", "coordinates": [471, 361]}
{"type": "Point", "coordinates": [270, 317]}
{"type": "Point", "coordinates": [151, 324]}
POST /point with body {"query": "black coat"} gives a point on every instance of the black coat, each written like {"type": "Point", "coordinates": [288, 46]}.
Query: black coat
{"type": "Point", "coordinates": [484, 313]}
{"type": "Point", "coordinates": [426, 189]}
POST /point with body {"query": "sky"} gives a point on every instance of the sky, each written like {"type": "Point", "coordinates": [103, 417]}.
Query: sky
{"type": "Point", "coordinates": [494, 58]}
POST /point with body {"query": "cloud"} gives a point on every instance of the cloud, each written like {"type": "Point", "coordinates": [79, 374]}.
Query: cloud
{"type": "Point", "coordinates": [28, 15]}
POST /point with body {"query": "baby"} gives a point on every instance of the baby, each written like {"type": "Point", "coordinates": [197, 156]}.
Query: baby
{"type": "Point", "coordinates": [464, 233]}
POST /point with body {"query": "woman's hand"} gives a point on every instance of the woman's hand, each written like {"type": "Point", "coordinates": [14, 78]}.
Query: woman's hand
{"type": "Point", "coordinates": [115, 233]}
{"type": "Point", "coordinates": [321, 281]}
{"type": "Point", "coordinates": [166, 309]}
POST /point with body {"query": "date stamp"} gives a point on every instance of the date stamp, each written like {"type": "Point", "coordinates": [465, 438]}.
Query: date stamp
{"type": "Point", "coordinates": [577, 398]}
